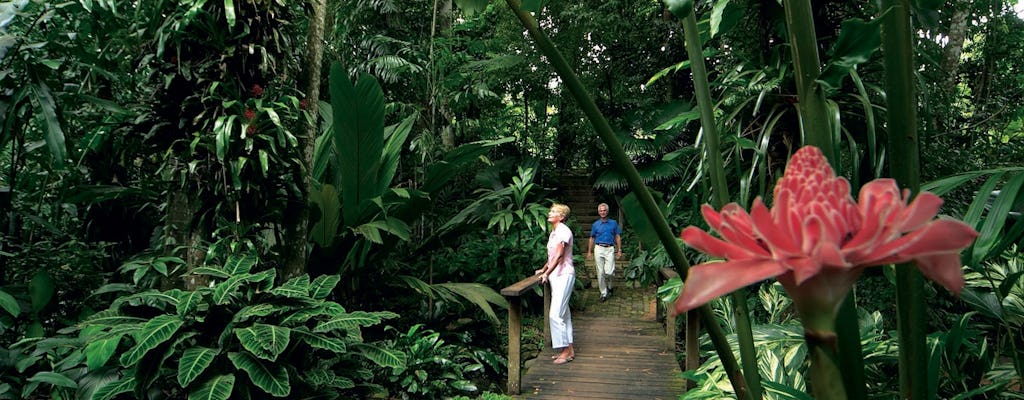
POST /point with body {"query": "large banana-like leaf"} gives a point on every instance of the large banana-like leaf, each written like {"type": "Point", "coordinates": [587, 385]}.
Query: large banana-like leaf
{"type": "Point", "coordinates": [322, 286]}
{"type": "Point", "coordinates": [264, 341]}
{"type": "Point", "coordinates": [225, 289]}
{"type": "Point", "coordinates": [396, 136]}
{"type": "Point", "coordinates": [189, 301]}
{"type": "Point", "coordinates": [193, 362]}
{"type": "Point", "coordinates": [217, 388]}
{"type": "Point", "coordinates": [349, 322]}
{"type": "Point", "coordinates": [256, 310]}
{"type": "Point", "coordinates": [271, 378]}
{"type": "Point", "coordinates": [53, 378]}
{"type": "Point", "coordinates": [358, 140]}
{"type": "Point", "coordinates": [153, 333]}
{"type": "Point", "coordinates": [113, 389]}
{"type": "Point", "coordinates": [383, 356]}
{"type": "Point", "coordinates": [326, 228]}
{"type": "Point", "coordinates": [327, 378]}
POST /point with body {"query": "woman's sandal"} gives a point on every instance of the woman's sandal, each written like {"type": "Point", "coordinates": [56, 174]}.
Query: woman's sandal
{"type": "Point", "coordinates": [561, 360]}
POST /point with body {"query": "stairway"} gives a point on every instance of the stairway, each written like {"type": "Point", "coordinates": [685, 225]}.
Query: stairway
{"type": "Point", "coordinates": [577, 192]}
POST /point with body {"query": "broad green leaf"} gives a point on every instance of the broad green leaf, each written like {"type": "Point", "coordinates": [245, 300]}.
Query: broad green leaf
{"type": "Point", "coordinates": [10, 304]}
{"type": "Point", "coordinates": [358, 140]}
{"type": "Point", "coordinates": [211, 271]}
{"type": "Point", "coordinates": [255, 310]}
{"type": "Point", "coordinates": [190, 301]}
{"type": "Point", "coordinates": [53, 378]}
{"type": "Point", "coordinates": [322, 286]}
{"type": "Point", "coordinates": [383, 356]}
{"type": "Point", "coordinates": [271, 378]}
{"type": "Point", "coordinates": [327, 378]}
{"type": "Point", "coordinates": [153, 333]}
{"type": "Point", "coordinates": [46, 109]}
{"type": "Point", "coordinates": [470, 7]}
{"type": "Point", "coordinates": [112, 389]}
{"type": "Point", "coordinates": [724, 16]}
{"type": "Point", "coordinates": [480, 295]}
{"type": "Point", "coordinates": [991, 229]}
{"type": "Point", "coordinates": [331, 344]}
{"type": "Point", "coordinates": [40, 290]}
{"type": "Point", "coordinates": [326, 228]}
{"type": "Point", "coordinates": [396, 136]}
{"type": "Point", "coordinates": [439, 173]}
{"type": "Point", "coordinates": [216, 388]}
{"type": "Point", "coordinates": [350, 321]}
{"type": "Point", "coordinates": [533, 6]}
{"type": "Point", "coordinates": [858, 40]}
{"type": "Point", "coordinates": [229, 12]}
{"type": "Point", "coordinates": [264, 341]}
{"type": "Point", "coordinates": [295, 287]}
{"type": "Point", "coordinates": [223, 291]}
{"type": "Point", "coordinates": [98, 352]}
{"type": "Point", "coordinates": [193, 362]}
{"type": "Point", "coordinates": [237, 264]}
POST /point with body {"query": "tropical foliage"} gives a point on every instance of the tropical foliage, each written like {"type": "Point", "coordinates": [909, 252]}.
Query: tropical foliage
{"type": "Point", "coordinates": [189, 208]}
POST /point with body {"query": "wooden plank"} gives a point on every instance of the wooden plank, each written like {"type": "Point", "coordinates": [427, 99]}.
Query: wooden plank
{"type": "Point", "coordinates": [515, 329]}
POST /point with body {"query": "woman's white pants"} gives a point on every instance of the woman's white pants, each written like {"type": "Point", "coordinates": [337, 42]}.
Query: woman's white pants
{"type": "Point", "coordinates": [560, 318]}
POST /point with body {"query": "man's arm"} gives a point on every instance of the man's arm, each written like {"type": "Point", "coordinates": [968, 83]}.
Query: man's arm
{"type": "Point", "coordinates": [590, 247]}
{"type": "Point", "coordinates": [618, 244]}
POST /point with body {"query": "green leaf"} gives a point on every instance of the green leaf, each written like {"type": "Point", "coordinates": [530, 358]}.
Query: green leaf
{"type": "Point", "coordinates": [237, 264]}
{"type": "Point", "coordinates": [264, 341]}
{"type": "Point", "coordinates": [480, 295]}
{"type": "Point", "coordinates": [470, 7]}
{"type": "Point", "coordinates": [229, 12]}
{"type": "Point", "coordinates": [112, 389]}
{"type": "Point", "coordinates": [10, 304]}
{"type": "Point", "coordinates": [331, 344]}
{"type": "Point", "coordinates": [211, 271]}
{"type": "Point", "coordinates": [439, 173]}
{"type": "Point", "coordinates": [54, 379]}
{"type": "Point", "coordinates": [322, 286]}
{"type": "Point", "coordinates": [382, 356]}
{"type": "Point", "coordinates": [98, 352]}
{"type": "Point", "coordinates": [190, 301]}
{"type": "Point", "coordinates": [46, 108]}
{"type": "Point", "coordinates": [223, 291]}
{"type": "Point", "coordinates": [295, 287]}
{"type": "Point", "coordinates": [991, 229]}
{"type": "Point", "coordinates": [858, 40]}
{"type": "Point", "coordinates": [193, 362]}
{"type": "Point", "coordinates": [533, 6]}
{"type": "Point", "coordinates": [271, 378]}
{"type": "Point", "coordinates": [680, 8]}
{"type": "Point", "coordinates": [396, 136]}
{"type": "Point", "coordinates": [358, 140]}
{"type": "Point", "coordinates": [255, 310]}
{"type": "Point", "coordinates": [350, 321]}
{"type": "Point", "coordinates": [40, 290]}
{"type": "Point", "coordinates": [156, 331]}
{"type": "Point", "coordinates": [326, 227]}
{"type": "Point", "coordinates": [216, 388]}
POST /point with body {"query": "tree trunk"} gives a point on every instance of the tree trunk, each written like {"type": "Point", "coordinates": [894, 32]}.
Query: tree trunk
{"type": "Point", "coordinates": [954, 47]}
{"type": "Point", "coordinates": [182, 229]}
{"type": "Point", "coordinates": [297, 237]}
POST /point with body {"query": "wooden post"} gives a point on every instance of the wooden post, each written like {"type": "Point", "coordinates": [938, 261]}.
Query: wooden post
{"type": "Point", "coordinates": [515, 331]}
{"type": "Point", "coordinates": [692, 344]}
{"type": "Point", "coordinates": [670, 329]}
{"type": "Point", "coordinates": [547, 315]}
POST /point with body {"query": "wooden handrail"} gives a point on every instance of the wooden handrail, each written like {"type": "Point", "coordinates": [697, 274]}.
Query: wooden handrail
{"type": "Point", "coordinates": [515, 327]}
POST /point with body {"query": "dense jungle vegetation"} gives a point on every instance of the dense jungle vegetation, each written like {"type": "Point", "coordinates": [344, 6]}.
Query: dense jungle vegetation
{"type": "Point", "coordinates": [321, 199]}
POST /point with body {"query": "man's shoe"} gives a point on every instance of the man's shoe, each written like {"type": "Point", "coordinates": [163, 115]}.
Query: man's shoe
{"type": "Point", "coordinates": [604, 297]}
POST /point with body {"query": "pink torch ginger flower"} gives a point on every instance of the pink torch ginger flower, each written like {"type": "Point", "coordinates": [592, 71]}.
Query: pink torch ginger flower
{"type": "Point", "coordinates": [816, 239]}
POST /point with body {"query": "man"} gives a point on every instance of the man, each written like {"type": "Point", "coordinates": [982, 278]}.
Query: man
{"type": "Point", "coordinates": [606, 234]}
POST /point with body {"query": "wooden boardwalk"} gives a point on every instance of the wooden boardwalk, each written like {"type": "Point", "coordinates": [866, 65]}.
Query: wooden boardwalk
{"type": "Point", "coordinates": [621, 353]}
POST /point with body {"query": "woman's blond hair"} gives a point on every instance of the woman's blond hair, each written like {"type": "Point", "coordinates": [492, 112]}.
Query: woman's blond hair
{"type": "Point", "coordinates": [561, 209]}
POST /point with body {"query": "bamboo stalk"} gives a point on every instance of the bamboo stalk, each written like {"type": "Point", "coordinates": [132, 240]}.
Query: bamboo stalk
{"type": "Point", "coordinates": [720, 192]}
{"type": "Point", "coordinates": [626, 167]}
{"type": "Point", "coordinates": [905, 167]}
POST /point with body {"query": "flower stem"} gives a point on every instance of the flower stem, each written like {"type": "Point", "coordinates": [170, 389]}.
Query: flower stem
{"type": "Point", "coordinates": [826, 380]}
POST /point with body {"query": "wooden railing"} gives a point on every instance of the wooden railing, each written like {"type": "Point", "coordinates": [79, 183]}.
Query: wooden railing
{"type": "Point", "coordinates": [514, 295]}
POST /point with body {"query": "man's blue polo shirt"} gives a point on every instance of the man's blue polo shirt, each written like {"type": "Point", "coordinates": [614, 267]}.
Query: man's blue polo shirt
{"type": "Point", "coordinates": [604, 232]}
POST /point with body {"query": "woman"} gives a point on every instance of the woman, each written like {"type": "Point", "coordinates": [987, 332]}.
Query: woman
{"type": "Point", "coordinates": [559, 271]}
